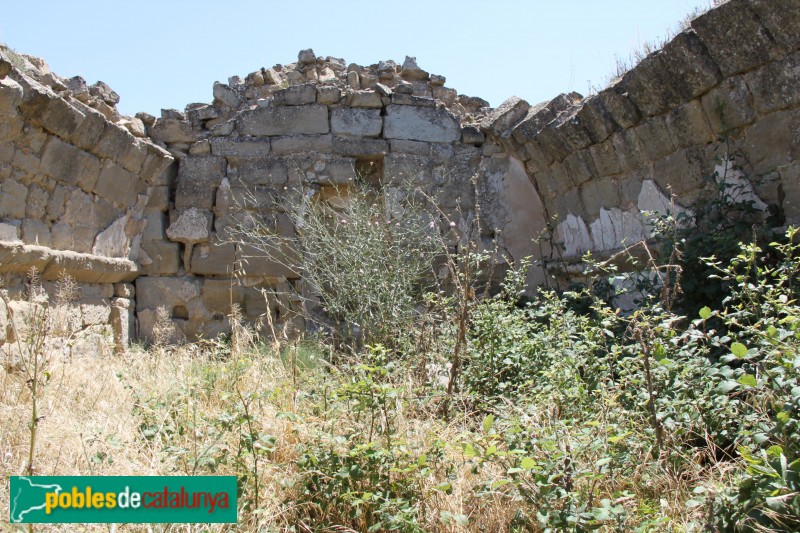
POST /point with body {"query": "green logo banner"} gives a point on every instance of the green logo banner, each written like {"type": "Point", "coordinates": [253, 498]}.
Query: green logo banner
{"type": "Point", "coordinates": [122, 499]}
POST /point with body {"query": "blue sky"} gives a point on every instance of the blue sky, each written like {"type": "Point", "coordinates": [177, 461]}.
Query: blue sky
{"type": "Point", "coordinates": [166, 54]}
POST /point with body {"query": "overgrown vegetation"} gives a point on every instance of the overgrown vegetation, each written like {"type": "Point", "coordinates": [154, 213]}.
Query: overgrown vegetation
{"type": "Point", "coordinates": [502, 413]}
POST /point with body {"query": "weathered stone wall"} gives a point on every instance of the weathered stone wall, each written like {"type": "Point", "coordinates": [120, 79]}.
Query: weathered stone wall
{"type": "Point", "coordinates": [95, 194]}
{"type": "Point", "coordinates": [73, 191]}
{"type": "Point", "coordinates": [600, 162]}
{"type": "Point", "coordinates": [313, 125]}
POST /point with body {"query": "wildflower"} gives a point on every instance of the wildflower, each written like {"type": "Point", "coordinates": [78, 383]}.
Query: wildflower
{"type": "Point", "coordinates": [452, 224]}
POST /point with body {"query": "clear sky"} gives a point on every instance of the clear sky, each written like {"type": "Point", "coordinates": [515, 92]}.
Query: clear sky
{"type": "Point", "coordinates": [168, 53]}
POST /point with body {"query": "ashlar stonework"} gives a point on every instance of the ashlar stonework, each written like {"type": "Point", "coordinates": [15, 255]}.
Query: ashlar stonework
{"type": "Point", "coordinates": [139, 210]}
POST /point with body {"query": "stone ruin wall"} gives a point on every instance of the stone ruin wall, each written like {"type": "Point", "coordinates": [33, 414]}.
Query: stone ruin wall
{"type": "Point", "coordinates": [75, 182]}
{"type": "Point", "coordinates": [84, 191]}
{"type": "Point", "coordinates": [311, 125]}
{"type": "Point", "coordinates": [599, 162]}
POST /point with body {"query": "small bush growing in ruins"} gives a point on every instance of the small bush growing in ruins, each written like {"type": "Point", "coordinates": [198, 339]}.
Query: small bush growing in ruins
{"type": "Point", "coordinates": [365, 255]}
{"type": "Point", "coordinates": [40, 329]}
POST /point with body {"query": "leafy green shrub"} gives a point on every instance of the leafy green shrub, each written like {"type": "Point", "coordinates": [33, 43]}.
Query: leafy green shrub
{"type": "Point", "coordinates": [366, 479]}
{"type": "Point", "coordinates": [366, 253]}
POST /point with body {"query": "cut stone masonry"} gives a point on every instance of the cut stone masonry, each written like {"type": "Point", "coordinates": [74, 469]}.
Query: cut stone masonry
{"type": "Point", "coordinates": [139, 210]}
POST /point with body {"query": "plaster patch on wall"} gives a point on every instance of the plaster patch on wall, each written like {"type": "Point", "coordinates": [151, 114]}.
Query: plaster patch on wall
{"type": "Point", "coordinates": [736, 187]}
{"type": "Point", "coordinates": [615, 228]}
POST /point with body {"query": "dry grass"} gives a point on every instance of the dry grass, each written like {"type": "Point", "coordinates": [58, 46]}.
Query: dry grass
{"type": "Point", "coordinates": [179, 411]}
{"type": "Point", "coordinates": [94, 409]}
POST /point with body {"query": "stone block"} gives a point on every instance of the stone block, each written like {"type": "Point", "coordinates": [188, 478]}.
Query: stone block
{"type": "Point", "coordinates": [654, 138]}
{"type": "Point", "coordinates": [410, 99]}
{"type": "Point", "coordinates": [13, 197]}
{"type": "Point", "coordinates": [442, 152]}
{"type": "Point", "coordinates": [159, 258]}
{"type": "Point", "coordinates": [158, 167]}
{"type": "Point", "coordinates": [153, 292]}
{"type": "Point", "coordinates": [352, 146]}
{"type": "Point", "coordinates": [11, 127]}
{"type": "Point", "coordinates": [123, 323]}
{"type": "Point", "coordinates": [356, 122]}
{"type": "Point", "coordinates": [680, 173]}
{"type": "Point", "coordinates": [688, 125]}
{"type": "Point", "coordinates": [365, 99]}
{"type": "Point", "coordinates": [539, 116]}
{"type": "Point", "coordinates": [574, 133]}
{"type": "Point", "coordinates": [226, 95]}
{"type": "Point", "coordinates": [566, 203]}
{"type": "Point", "coordinates": [401, 168]}
{"type": "Point", "coordinates": [135, 158]}
{"type": "Point", "coordinates": [597, 194]}
{"type": "Point", "coordinates": [42, 107]}
{"type": "Point", "coordinates": [410, 147]}
{"type": "Point", "coordinates": [328, 95]}
{"type": "Point", "coordinates": [626, 146]}
{"type": "Point", "coordinates": [219, 294]}
{"type": "Point", "coordinates": [202, 112]}
{"type": "Point", "coordinates": [335, 172]}
{"type": "Point", "coordinates": [580, 167]}
{"type": "Point", "coordinates": [649, 87]}
{"type": "Point", "coordinates": [9, 232]}
{"type": "Point", "coordinates": [772, 141]}
{"type": "Point", "coordinates": [596, 119]}
{"type": "Point", "coordinates": [553, 181]}
{"type": "Point", "coordinates": [445, 95]}
{"type": "Point", "coordinates": [781, 18]}
{"type": "Point", "coordinates": [302, 144]}
{"type": "Point", "coordinates": [155, 226]}
{"type": "Point", "coordinates": [96, 312]}
{"type": "Point", "coordinates": [505, 117]}
{"type": "Point", "coordinates": [536, 157]}
{"type": "Point", "coordinates": [735, 38]}
{"type": "Point", "coordinates": [62, 237]}
{"type": "Point", "coordinates": [420, 124]}
{"type": "Point", "coordinates": [411, 71]}
{"type": "Point", "coordinates": [170, 130]}
{"type": "Point", "coordinates": [622, 110]}
{"type": "Point", "coordinates": [79, 209]}
{"type": "Point", "coordinates": [605, 158]}
{"type": "Point", "coordinates": [117, 185]}
{"type": "Point", "coordinates": [278, 261]}
{"type": "Point", "coordinates": [213, 259]}
{"type": "Point", "coordinates": [551, 140]}
{"type": "Point", "coordinates": [297, 95]}
{"type": "Point", "coordinates": [11, 94]}
{"type": "Point", "coordinates": [790, 183]}
{"type": "Point", "coordinates": [728, 105]}
{"type": "Point", "coordinates": [69, 164]}
{"type": "Point", "coordinates": [776, 85]}
{"type": "Point", "coordinates": [158, 198]}
{"type": "Point", "coordinates": [291, 120]}
{"type": "Point", "coordinates": [190, 225]}
{"type": "Point", "coordinates": [630, 185]}
{"type": "Point", "coordinates": [35, 232]}
{"type": "Point", "coordinates": [472, 135]}
{"type": "Point", "coordinates": [198, 178]}
{"type": "Point", "coordinates": [240, 148]}
{"type": "Point", "coordinates": [36, 206]}
{"type": "Point", "coordinates": [114, 143]}
{"type": "Point", "coordinates": [123, 290]}
{"type": "Point", "coordinates": [262, 171]}
{"type": "Point", "coordinates": [90, 129]}
{"type": "Point", "coordinates": [687, 66]}
{"type": "Point", "coordinates": [28, 164]}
